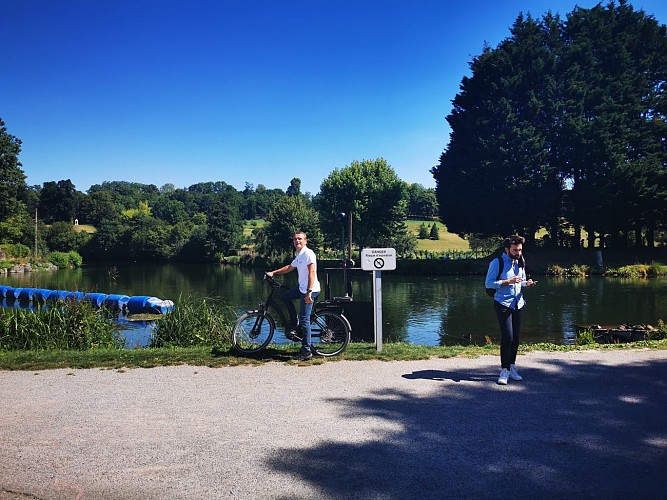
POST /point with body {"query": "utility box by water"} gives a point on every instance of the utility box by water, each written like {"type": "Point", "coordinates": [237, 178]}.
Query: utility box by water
{"type": "Point", "coordinates": [360, 316]}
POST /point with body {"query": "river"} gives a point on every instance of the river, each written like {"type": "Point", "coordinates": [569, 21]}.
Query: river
{"type": "Point", "coordinates": [425, 310]}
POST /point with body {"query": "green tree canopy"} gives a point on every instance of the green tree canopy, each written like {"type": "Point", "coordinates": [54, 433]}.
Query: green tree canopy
{"type": "Point", "coordinates": [288, 215]}
{"type": "Point", "coordinates": [562, 124]}
{"type": "Point", "coordinates": [12, 178]}
{"type": "Point", "coordinates": [372, 192]}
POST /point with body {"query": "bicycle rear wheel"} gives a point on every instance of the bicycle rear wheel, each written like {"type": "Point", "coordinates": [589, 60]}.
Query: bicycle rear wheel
{"type": "Point", "coordinates": [253, 331]}
{"type": "Point", "coordinates": [330, 333]}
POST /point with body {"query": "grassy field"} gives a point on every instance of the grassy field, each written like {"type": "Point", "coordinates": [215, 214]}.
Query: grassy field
{"type": "Point", "coordinates": [447, 241]}
{"type": "Point", "coordinates": [84, 227]}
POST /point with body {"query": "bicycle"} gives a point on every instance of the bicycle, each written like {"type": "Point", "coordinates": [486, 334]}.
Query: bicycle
{"type": "Point", "coordinates": [330, 329]}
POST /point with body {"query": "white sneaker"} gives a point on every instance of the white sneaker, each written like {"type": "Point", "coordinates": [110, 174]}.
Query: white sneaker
{"type": "Point", "coordinates": [504, 375]}
{"type": "Point", "coordinates": [514, 375]}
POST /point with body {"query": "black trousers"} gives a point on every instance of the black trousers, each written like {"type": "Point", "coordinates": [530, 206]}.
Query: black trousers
{"type": "Point", "coordinates": [510, 329]}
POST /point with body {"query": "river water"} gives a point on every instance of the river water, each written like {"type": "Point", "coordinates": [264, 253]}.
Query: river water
{"type": "Point", "coordinates": [425, 310]}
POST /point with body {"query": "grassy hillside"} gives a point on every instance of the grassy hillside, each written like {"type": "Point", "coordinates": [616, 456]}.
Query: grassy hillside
{"type": "Point", "coordinates": [84, 227]}
{"type": "Point", "coordinates": [447, 241]}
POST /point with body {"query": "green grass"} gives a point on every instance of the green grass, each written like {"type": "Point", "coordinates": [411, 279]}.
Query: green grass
{"type": "Point", "coordinates": [447, 241]}
{"type": "Point", "coordinates": [224, 356]}
{"type": "Point", "coordinates": [85, 227]}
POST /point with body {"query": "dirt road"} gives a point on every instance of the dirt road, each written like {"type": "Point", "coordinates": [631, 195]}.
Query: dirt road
{"type": "Point", "coordinates": [582, 424]}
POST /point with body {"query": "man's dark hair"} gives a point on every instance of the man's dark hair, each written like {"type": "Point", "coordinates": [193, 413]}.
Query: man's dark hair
{"type": "Point", "coordinates": [515, 239]}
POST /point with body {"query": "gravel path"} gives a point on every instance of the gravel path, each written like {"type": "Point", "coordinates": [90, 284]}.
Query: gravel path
{"type": "Point", "coordinates": [588, 424]}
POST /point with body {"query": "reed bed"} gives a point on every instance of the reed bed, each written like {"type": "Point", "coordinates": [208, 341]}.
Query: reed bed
{"type": "Point", "coordinates": [64, 325]}
{"type": "Point", "coordinates": [194, 321]}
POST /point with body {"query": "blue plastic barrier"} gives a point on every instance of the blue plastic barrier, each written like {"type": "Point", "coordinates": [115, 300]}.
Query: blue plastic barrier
{"type": "Point", "coordinates": [158, 306]}
{"type": "Point", "coordinates": [60, 295]}
{"type": "Point", "coordinates": [137, 303]}
{"type": "Point", "coordinates": [25, 295]}
{"type": "Point", "coordinates": [41, 294]}
{"type": "Point", "coordinates": [97, 299]}
{"type": "Point", "coordinates": [116, 301]}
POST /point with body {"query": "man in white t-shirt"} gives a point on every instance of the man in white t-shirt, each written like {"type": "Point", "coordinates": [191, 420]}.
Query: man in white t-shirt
{"type": "Point", "coordinates": [305, 263]}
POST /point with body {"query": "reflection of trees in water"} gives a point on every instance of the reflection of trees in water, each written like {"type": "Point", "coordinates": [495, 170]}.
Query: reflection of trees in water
{"type": "Point", "coordinates": [419, 309]}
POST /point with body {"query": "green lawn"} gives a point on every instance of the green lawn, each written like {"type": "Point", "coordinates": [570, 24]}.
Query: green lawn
{"type": "Point", "coordinates": [447, 241]}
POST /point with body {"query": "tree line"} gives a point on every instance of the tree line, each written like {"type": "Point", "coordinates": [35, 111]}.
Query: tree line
{"type": "Point", "coordinates": [562, 126]}
{"type": "Point", "coordinates": [205, 221]}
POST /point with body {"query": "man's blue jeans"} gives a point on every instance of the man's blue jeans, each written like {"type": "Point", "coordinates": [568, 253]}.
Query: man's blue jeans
{"type": "Point", "coordinates": [305, 311]}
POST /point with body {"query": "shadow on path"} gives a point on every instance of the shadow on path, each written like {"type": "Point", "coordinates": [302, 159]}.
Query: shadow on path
{"type": "Point", "coordinates": [571, 429]}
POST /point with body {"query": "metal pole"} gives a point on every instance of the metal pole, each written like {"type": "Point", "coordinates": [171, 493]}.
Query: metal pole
{"type": "Point", "coordinates": [377, 308]}
{"type": "Point", "coordinates": [35, 233]}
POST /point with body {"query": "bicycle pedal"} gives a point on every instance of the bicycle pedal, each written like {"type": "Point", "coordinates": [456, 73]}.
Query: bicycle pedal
{"type": "Point", "coordinates": [293, 336]}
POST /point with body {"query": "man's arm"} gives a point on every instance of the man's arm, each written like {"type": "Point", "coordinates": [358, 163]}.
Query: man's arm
{"type": "Point", "coordinates": [283, 270]}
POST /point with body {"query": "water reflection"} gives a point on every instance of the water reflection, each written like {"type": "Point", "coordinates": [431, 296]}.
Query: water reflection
{"type": "Point", "coordinates": [427, 310]}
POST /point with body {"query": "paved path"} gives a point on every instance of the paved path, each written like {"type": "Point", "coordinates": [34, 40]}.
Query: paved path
{"type": "Point", "coordinates": [589, 424]}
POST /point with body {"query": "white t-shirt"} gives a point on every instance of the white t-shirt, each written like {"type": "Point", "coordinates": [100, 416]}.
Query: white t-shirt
{"type": "Point", "coordinates": [306, 256]}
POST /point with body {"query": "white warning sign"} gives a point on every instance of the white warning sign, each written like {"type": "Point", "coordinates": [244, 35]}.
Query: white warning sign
{"type": "Point", "coordinates": [378, 259]}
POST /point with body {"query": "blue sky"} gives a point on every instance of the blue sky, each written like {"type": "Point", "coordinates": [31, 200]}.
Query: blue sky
{"type": "Point", "coordinates": [241, 91]}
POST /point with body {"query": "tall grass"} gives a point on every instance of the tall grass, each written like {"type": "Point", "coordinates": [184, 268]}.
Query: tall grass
{"type": "Point", "coordinates": [653, 270]}
{"type": "Point", "coordinates": [65, 325]}
{"type": "Point", "coordinates": [194, 321]}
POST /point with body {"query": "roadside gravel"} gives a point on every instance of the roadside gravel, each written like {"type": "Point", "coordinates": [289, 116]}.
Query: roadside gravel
{"type": "Point", "coordinates": [582, 424]}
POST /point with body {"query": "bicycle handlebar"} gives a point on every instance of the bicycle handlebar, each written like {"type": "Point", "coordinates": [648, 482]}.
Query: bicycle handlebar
{"type": "Point", "coordinates": [272, 282]}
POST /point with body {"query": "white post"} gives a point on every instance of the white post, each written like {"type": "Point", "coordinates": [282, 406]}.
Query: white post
{"type": "Point", "coordinates": [377, 308]}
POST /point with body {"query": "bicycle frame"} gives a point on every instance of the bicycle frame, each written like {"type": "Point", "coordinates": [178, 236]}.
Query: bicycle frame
{"type": "Point", "coordinates": [272, 306]}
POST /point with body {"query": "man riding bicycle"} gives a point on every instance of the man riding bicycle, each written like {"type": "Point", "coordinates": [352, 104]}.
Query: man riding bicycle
{"type": "Point", "coordinates": [307, 291]}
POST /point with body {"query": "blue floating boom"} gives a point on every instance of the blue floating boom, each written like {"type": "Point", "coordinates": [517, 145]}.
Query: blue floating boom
{"type": "Point", "coordinates": [97, 299]}
{"type": "Point", "coordinates": [116, 301]}
{"type": "Point", "coordinates": [135, 304]}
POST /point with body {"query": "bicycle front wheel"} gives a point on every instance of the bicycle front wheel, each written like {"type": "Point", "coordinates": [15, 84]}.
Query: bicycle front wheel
{"type": "Point", "coordinates": [330, 333]}
{"type": "Point", "coordinates": [253, 331]}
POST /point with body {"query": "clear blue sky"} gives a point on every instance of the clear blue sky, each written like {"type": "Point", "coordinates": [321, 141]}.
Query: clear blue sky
{"type": "Point", "coordinates": [241, 91]}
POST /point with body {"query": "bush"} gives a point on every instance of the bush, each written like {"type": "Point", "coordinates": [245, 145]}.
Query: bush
{"type": "Point", "coordinates": [75, 259]}
{"type": "Point", "coordinates": [68, 325]}
{"type": "Point", "coordinates": [585, 337]}
{"type": "Point", "coordinates": [192, 322]}
{"type": "Point", "coordinates": [67, 260]}
{"type": "Point", "coordinates": [15, 251]}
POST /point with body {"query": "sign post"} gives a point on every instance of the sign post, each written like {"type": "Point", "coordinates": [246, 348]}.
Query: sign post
{"type": "Point", "coordinates": [378, 260]}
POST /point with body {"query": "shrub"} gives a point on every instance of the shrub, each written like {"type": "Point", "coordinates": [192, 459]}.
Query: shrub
{"type": "Point", "coordinates": [194, 321]}
{"type": "Point", "coordinates": [66, 260]}
{"type": "Point", "coordinates": [59, 259]}
{"type": "Point", "coordinates": [75, 260]}
{"type": "Point", "coordinates": [555, 270]}
{"type": "Point", "coordinates": [67, 325]}
{"type": "Point", "coordinates": [15, 251]}
{"type": "Point", "coordinates": [659, 332]}
{"type": "Point", "coordinates": [585, 337]}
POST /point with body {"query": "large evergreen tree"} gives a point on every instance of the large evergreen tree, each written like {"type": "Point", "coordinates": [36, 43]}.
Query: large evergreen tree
{"type": "Point", "coordinates": [562, 123]}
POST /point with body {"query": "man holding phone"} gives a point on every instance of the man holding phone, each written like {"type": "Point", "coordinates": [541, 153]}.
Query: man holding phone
{"type": "Point", "coordinates": [508, 302]}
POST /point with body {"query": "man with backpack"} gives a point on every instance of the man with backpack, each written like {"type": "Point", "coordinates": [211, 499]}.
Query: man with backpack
{"type": "Point", "coordinates": [508, 282]}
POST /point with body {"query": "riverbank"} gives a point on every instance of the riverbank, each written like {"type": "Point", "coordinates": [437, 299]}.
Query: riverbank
{"type": "Point", "coordinates": [217, 357]}
{"type": "Point", "coordinates": [584, 424]}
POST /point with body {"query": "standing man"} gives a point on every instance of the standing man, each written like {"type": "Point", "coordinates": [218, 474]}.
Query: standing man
{"type": "Point", "coordinates": [508, 302]}
{"type": "Point", "coordinates": [305, 263]}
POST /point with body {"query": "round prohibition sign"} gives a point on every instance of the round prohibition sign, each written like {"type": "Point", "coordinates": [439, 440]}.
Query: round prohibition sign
{"type": "Point", "coordinates": [378, 263]}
